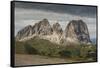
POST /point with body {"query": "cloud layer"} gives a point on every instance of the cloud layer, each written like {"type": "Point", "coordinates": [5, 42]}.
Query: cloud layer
{"type": "Point", "coordinates": [31, 13]}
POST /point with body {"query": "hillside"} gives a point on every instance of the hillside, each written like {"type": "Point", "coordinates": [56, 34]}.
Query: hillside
{"type": "Point", "coordinates": [46, 48]}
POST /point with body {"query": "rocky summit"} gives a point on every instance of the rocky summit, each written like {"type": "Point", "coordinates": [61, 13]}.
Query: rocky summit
{"type": "Point", "coordinates": [25, 32]}
{"type": "Point", "coordinates": [76, 31]}
{"type": "Point", "coordinates": [57, 28]}
{"type": "Point", "coordinates": [42, 28]}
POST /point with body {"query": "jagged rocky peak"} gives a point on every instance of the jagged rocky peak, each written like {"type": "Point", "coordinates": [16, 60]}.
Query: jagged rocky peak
{"type": "Point", "coordinates": [35, 28]}
{"type": "Point", "coordinates": [44, 22]}
{"type": "Point", "coordinates": [43, 27]}
{"type": "Point", "coordinates": [27, 31]}
{"type": "Point", "coordinates": [57, 28]}
{"type": "Point", "coordinates": [77, 30]}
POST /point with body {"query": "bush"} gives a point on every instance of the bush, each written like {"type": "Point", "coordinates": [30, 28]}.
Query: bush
{"type": "Point", "coordinates": [19, 48]}
{"type": "Point", "coordinates": [65, 53]}
{"type": "Point", "coordinates": [29, 49]}
{"type": "Point", "coordinates": [88, 51]}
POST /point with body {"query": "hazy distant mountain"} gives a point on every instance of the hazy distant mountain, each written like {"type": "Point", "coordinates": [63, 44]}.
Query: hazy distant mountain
{"type": "Point", "coordinates": [75, 32]}
{"type": "Point", "coordinates": [93, 40]}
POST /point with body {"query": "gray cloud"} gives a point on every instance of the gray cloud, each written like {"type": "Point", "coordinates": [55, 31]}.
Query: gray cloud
{"type": "Point", "coordinates": [71, 9]}
{"type": "Point", "coordinates": [30, 13]}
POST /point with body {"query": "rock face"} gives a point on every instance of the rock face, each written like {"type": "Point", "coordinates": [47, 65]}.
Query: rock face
{"type": "Point", "coordinates": [57, 28]}
{"type": "Point", "coordinates": [42, 28]}
{"type": "Point", "coordinates": [76, 31]}
{"type": "Point", "coordinates": [25, 32]}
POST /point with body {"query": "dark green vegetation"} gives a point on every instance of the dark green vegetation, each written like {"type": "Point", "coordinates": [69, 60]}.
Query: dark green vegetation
{"type": "Point", "coordinates": [46, 48]}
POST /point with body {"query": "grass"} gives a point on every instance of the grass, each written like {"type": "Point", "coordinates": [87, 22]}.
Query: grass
{"type": "Point", "coordinates": [46, 48]}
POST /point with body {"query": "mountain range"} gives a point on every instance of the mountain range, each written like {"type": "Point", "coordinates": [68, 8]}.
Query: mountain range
{"type": "Point", "coordinates": [75, 32]}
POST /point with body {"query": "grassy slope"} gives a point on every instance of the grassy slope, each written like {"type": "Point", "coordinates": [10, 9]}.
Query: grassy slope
{"type": "Point", "coordinates": [46, 48]}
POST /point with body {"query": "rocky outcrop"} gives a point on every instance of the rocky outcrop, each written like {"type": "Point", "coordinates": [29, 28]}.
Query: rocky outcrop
{"type": "Point", "coordinates": [75, 32]}
{"type": "Point", "coordinates": [57, 28]}
{"type": "Point", "coordinates": [42, 28]}
{"type": "Point", "coordinates": [25, 32]}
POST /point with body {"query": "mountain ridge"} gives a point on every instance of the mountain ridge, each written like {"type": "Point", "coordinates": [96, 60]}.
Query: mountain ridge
{"type": "Point", "coordinates": [75, 32]}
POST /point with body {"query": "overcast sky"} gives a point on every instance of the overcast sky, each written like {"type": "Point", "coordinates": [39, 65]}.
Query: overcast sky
{"type": "Point", "coordinates": [30, 13]}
